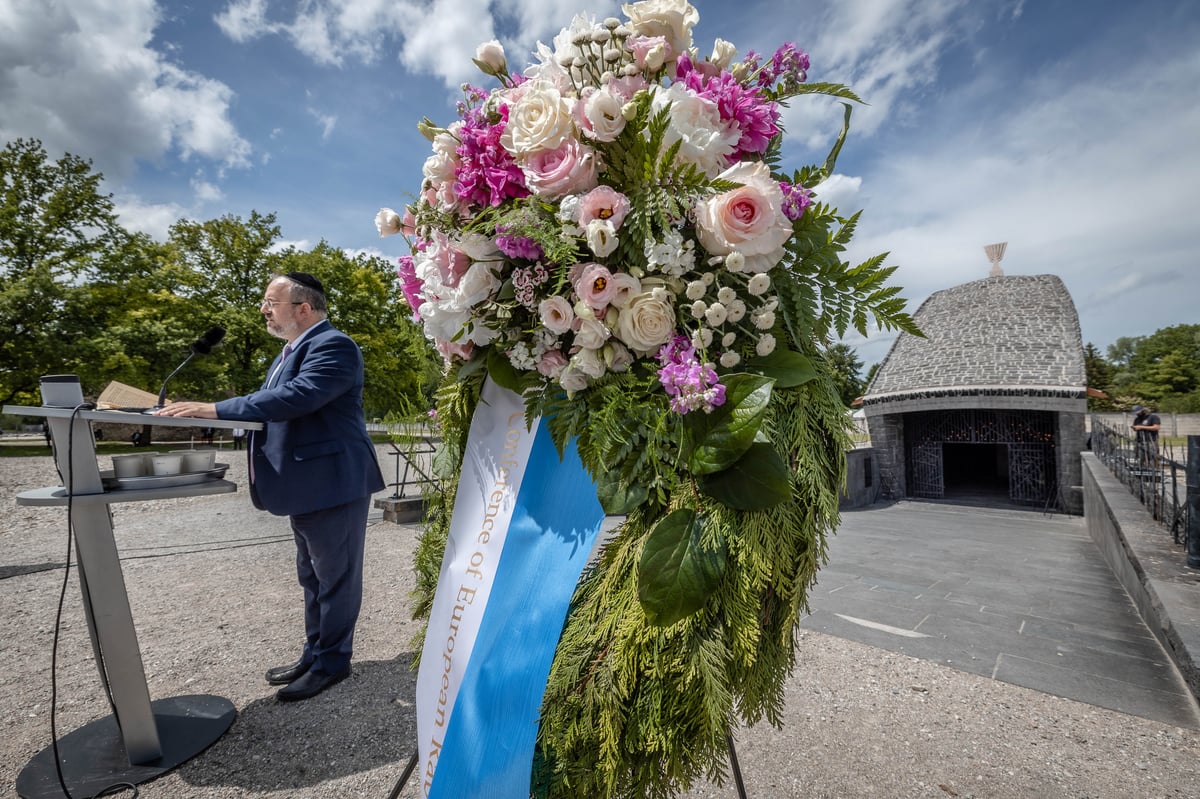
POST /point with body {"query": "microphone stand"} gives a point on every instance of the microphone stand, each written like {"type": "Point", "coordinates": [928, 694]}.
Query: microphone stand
{"type": "Point", "coordinates": [162, 392]}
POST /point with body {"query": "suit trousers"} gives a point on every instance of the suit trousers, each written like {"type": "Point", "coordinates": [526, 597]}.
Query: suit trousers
{"type": "Point", "coordinates": [329, 566]}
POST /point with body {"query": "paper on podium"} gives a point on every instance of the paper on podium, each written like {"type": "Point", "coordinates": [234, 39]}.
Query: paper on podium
{"type": "Point", "coordinates": [119, 395]}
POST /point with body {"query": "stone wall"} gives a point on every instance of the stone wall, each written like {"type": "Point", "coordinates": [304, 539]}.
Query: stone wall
{"type": "Point", "coordinates": [1150, 566]}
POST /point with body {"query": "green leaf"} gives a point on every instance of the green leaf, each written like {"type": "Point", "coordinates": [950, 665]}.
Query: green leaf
{"type": "Point", "coordinates": [759, 480]}
{"type": "Point", "coordinates": [719, 438]}
{"type": "Point", "coordinates": [616, 497]}
{"type": "Point", "coordinates": [501, 370]}
{"type": "Point", "coordinates": [787, 367]}
{"type": "Point", "coordinates": [676, 575]}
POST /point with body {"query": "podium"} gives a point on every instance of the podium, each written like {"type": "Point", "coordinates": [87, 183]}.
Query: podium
{"type": "Point", "coordinates": [141, 739]}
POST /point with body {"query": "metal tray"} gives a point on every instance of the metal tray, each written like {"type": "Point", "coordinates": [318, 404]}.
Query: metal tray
{"type": "Point", "coordinates": [114, 483]}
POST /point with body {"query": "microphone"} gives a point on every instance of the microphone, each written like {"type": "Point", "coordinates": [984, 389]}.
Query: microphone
{"type": "Point", "coordinates": [201, 346]}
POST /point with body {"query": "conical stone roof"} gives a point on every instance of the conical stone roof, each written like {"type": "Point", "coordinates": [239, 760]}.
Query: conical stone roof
{"type": "Point", "coordinates": [1007, 334]}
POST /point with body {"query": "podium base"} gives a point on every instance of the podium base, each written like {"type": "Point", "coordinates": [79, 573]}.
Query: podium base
{"type": "Point", "coordinates": [93, 757]}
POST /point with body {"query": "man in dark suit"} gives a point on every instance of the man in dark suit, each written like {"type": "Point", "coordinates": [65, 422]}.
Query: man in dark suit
{"type": "Point", "coordinates": [313, 462]}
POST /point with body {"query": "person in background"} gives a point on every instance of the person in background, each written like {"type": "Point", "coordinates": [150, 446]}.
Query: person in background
{"type": "Point", "coordinates": [239, 437]}
{"type": "Point", "coordinates": [313, 462]}
{"type": "Point", "coordinates": [1145, 426]}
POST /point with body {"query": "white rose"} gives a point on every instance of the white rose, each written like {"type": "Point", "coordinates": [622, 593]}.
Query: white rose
{"type": "Point", "coordinates": [388, 222]}
{"type": "Point", "coordinates": [723, 54]}
{"type": "Point", "coordinates": [590, 362]}
{"type": "Point", "coordinates": [748, 219]}
{"type": "Point", "coordinates": [540, 120]}
{"type": "Point", "coordinates": [647, 322]}
{"type": "Point", "coordinates": [617, 356]}
{"type": "Point", "coordinates": [490, 57]}
{"type": "Point", "coordinates": [671, 19]}
{"type": "Point", "coordinates": [694, 121]}
{"type": "Point", "coordinates": [572, 381]}
{"type": "Point", "coordinates": [592, 334]}
{"type": "Point", "coordinates": [478, 284]}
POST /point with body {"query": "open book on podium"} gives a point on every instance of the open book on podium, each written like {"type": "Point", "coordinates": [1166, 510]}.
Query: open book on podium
{"type": "Point", "coordinates": [120, 397]}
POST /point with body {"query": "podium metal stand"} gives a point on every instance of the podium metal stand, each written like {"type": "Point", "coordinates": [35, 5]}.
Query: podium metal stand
{"type": "Point", "coordinates": [142, 739]}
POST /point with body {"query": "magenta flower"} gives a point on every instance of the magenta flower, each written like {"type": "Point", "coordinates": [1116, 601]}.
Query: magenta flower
{"type": "Point", "coordinates": [487, 174]}
{"type": "Point", "coordinates": [795, 200]}
{"type": "Point", "coordinates": [756, 119]}
{"type": "Point", "coordinates": [689, 383]}
{"type": "Point", "coordinates": [410, 285]}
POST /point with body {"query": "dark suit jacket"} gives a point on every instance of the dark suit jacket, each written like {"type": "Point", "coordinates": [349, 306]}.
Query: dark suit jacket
{"type": "Point", "coordinates": [314, 451]}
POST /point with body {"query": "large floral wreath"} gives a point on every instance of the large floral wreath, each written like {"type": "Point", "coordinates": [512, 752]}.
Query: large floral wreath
{"type": "Point", "coordinates": [609, 234]}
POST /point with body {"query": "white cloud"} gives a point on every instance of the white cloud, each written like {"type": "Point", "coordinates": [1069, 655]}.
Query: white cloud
{"type": "Point", "coordinates": [81, 77]}
{"type": "Point", "coordinates": [204, 190]}
{"type": "Point", "coordinates": [1082, 177]}
{"type": "Point", "coordinates": [153, 219]}
{"type": "Point", "coordinates": [327, 122]}
{"type": "Point", "coordinates": [432, 38]}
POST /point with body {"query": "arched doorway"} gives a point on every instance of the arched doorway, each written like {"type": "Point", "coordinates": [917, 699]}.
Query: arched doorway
{"type": "Point", "coordinates": [981, 454]}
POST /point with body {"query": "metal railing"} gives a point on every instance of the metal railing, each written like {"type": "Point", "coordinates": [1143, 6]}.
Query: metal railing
{"type": "Point", "coordinates": [1156, 475]}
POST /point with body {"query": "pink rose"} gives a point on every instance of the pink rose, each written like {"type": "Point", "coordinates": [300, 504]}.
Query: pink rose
{"type": "Point", "coordinates": [748, 219]}
{"type": "Point", "coordinates": [603, 202]}
{"type": "Point", "coordinates": [552, 363]}
{"type": "Point", "coordinates": [570, 168]}
{"type": "Point", "coordinates": [595, 286]}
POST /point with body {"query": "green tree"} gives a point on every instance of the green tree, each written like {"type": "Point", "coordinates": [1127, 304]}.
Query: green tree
{"type": "Point", "coordinates": [1161, 370]}
{"type": "Point", "coordinates": [1100, 377]}
{"type": "Point", "coordinates": [224, 267]}
{"type": "Point", "coordinates": [846, 367]}
{"type": "Point", "coordinates": [55, 227]}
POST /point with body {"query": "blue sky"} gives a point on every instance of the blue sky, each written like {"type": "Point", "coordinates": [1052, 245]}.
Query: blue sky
{"type": "Point", "coordinates": [1067, 129]}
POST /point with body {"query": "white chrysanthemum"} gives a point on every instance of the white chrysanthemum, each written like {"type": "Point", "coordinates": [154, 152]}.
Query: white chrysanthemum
{"type": "Point", "coordinates": [730, 359]}
{"type": "Point", "coordinates": [737, 310]}
{"type": "Point", "coordinates": [715, 314]}
{"type": "Point", "coordinates": [695, 289]}
{"type": "Point", "coordinates": [766, 345]}
{"type": "Point", "coordinates": [728, 339]}
{"type": "Point", "coordinates": [759, 284]}
{"type": "Point", "coordinates": [763, 319]}
{"type": "Point", "coordinates": [735, 262]}
{"type": "Point", "coordinates": [726, 295]}
{"type": "Point", "coordinates": [698, 308]}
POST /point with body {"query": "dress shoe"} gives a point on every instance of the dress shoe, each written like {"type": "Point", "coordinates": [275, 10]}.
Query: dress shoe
{"type": "Point", "coordinates": [282, 675]}
{"type": "Point", "coordinates": [309, 685]}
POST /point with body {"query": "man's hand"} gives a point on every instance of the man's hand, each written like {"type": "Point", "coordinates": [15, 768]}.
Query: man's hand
{"type": "Point", "coordinates": [202, 410]}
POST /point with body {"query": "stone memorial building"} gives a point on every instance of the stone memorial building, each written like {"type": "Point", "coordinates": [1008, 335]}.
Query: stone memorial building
{"type": "Point", "coordinates": [991, 403]}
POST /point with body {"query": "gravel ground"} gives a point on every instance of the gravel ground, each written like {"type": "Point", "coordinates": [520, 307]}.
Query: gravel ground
{"type": "Point", "coordinates": [213, 593]}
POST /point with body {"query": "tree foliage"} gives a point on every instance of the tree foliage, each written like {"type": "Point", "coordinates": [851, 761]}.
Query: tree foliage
{"type": "Point", "coordinates": [1161, 370]}
{"type": "Point", "coordinates": [79, 294]}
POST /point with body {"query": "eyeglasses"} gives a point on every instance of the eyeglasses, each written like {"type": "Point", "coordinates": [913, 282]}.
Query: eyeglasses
{"type": "Point", "coordinates": [270, 304]}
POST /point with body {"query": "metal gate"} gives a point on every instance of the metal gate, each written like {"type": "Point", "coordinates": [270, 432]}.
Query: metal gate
{"type": "Point", "coordinates": [1029, 436]}
{"type": "Point", "coordinates": [1030, 472]}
